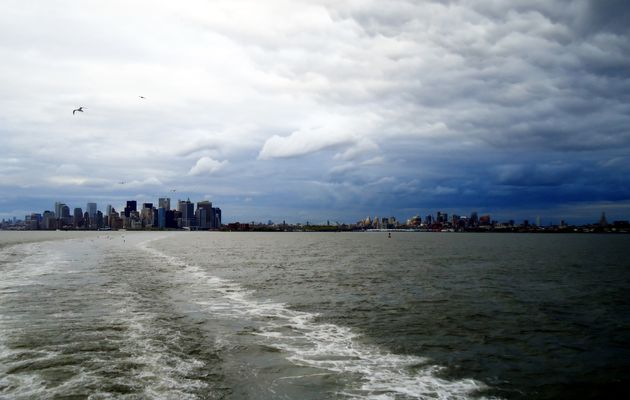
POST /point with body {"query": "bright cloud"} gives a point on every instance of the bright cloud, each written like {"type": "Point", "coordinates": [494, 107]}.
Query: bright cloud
{"type": "Point", "coordinates": [206, 166]}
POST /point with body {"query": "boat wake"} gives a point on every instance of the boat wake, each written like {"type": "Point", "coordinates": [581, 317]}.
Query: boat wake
{"type": "Point", "coordinates": [368, 371]}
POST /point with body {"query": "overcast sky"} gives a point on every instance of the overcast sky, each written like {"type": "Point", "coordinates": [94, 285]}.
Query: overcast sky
{"type": "Point", "coordinates": [316, 110]}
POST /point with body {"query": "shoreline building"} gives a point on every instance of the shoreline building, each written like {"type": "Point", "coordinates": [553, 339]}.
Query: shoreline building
{"type": "Point", "coordinates": [187, 210]}
{"type": "Point", "coordinates": [91, 212]}
{"type": "Point", "coordinates": [204, 214]}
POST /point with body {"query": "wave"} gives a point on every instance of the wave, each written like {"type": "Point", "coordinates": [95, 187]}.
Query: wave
{"type": "Point", "coordinates": [373, 372]}
{"type": "Point", "coordinates": [117, 349]}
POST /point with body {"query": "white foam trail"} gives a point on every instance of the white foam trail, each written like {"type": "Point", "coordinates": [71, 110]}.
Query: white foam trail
{"type": "Point", "coordinates": [159, 369]}
{"type": "Point", "coordinates": [330, 347]}
{"type": "Point", "coordinates": [20, 267]}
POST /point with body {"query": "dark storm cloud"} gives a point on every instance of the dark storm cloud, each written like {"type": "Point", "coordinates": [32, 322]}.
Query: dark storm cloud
{"type": "Point", "coordinates": [608, 16]}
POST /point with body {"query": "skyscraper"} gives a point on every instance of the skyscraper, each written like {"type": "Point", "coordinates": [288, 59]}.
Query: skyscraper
{"type": "Point", "coordinates": [602, 220]}
{"type": "Point", "coordinates": [474, 219]}
{"type": "Point", "coordinates": [58, 205]}
{"type": "Point", "coordinates": [204, 214]}
{"type": "Point", "coordinates": [165, 203]}
{"type": "Point", "coordinates": [131, 206]}
{"type": "Point", "coordinates": [187, 210]}
{"type": "Point", "coordinates": [99, 219]}
{"type": "Point", "coordinates": [216, 223]}
{"type": "Point", "coordinates": [91, 210]}
{"type": "Point", "coordinates": [78, 217]}
{"type": "Point", "coordinates": [147, 214]}
{"type": "Point", "coordinates": [161, 217]}
{"type": "Point", "coordinates": [64, 215]}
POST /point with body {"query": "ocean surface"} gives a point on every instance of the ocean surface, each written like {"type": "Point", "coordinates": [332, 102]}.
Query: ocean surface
{"type": "Point", "coordinates": [209, 315]}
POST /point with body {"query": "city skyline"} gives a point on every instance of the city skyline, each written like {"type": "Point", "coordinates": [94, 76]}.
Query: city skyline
{"type": "Point", "coordinates": [131, 216]}
{"type": "Point", "coordinates": [319, 110]}
{"type": "Point", "coordinates": [184, 215]}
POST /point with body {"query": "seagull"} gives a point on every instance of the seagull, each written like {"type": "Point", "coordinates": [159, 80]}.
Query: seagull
{"type": "Point", "coordinates": [80, 109]}
{"type": "Point", "coordinates": [121, 183]}
{"type": "Point", "coordinates": [142, 97]}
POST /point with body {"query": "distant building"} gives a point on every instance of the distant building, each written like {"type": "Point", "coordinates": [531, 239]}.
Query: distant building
{"type": "Point", "coordinates": [204, 214]}
{"type": "Point", "coordinates": [58, 205]}
{"type": "Point", "coordinates": [34, 221]}
{"type": "Point", "coordinates": [48, 220]}
{"type": "Point", "coordinates": [484, 220]}
{"type": "Point", "coordinates": [187, 210]}
{"type": "Point", "coordinates": [77, 217]}
{"type": "Point", "coordinates": [161, 217]}
{"type": "Point", "coordinates": [473, 221]}
{"type": "Point", "coordinates": [455, 219]}
{"type": "Point", "coordinates": [91, 210]}
{"type": "Point", "coordinates": [415, 221]}
{"type": "Point", "coordinates": [602, 220]}
{"type": "Point", "coordinates": [216, 218]}
{"type": "Point", "coordinates": [165, 203]}
{"type": "Point", "coordinates": [131, 207]}
{"type": "Point", "coordinates": [99, 223]}
{"type": "Point", "coordinates": [171, 218]}
{"type": "Point", "coordinates": [64, 215]}
{"type": "Point", "coordinates": [428, 220]}
{"type": "Point", "coordinates": [147, 215]}
{"type": "Point", "coordinates": [115, 221]}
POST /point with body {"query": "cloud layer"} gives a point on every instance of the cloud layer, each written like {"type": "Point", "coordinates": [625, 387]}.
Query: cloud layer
{"type": "Point", "coordinates": [317, 110]}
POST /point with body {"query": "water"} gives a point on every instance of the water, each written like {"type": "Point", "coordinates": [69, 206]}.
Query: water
{"type": "Point", "coordinates": [144, 315]}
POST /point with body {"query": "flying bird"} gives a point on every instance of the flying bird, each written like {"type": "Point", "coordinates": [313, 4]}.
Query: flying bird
{"type": "Point", "coordinates": [142, 97]}
{"type": "Point", "coordinates": [121, 182]}
{"type": "Point", "coordinates": [80, 109]}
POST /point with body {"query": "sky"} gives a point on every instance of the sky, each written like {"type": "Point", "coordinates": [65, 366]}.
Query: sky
{"type": "Point", "coordinates": [319, 110]}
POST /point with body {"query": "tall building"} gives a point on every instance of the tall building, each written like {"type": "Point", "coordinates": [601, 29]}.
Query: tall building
{"type": "Point", "coordinates": [474, 219]}
{"type": "Point", "coordinates": [165, 203]}
{"type": "Point", "coordinates": [64, 215]}
{"type": "Point", "coordinates": [91, 210]}
{"type": "Point", "coordinates": [484, 220]}
{"type": "Point", "coordinates": [204, 215]}
{"type": "Point", "coordinates": [48, 220]}
{"type": "Point", "coordinates": [187, 210]}
{"type": "Point", "coordinates": [34, 221]}
{"type": "Point", "coordinates": [602, 220]}
{"type": "Point", "coordinates": [428, 220]}
{"type": "Point", "coordinates": [216, 217]}
{"type": "Point", "coordinates": [99, 220]}
{"type": "Point", "coordinates": [78, 217]}
{"type": "Point", "coordinates": [147, 214]}
{"type": "Point", "coordinates": [131, 207]}
{"type": "Point", "coordinates": [171, 218]}
{"type": "Point", "coordinates": [161, 218]}
{"type": "Point", "coordinates": [58, 206]}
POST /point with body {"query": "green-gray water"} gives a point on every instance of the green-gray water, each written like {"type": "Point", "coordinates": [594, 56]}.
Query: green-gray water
{"type": "Point", "coordinates": [313, 316]}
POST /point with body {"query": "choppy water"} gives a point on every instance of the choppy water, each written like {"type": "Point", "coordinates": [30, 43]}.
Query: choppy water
{"type": "Point", "coordinates": [314, 316]}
